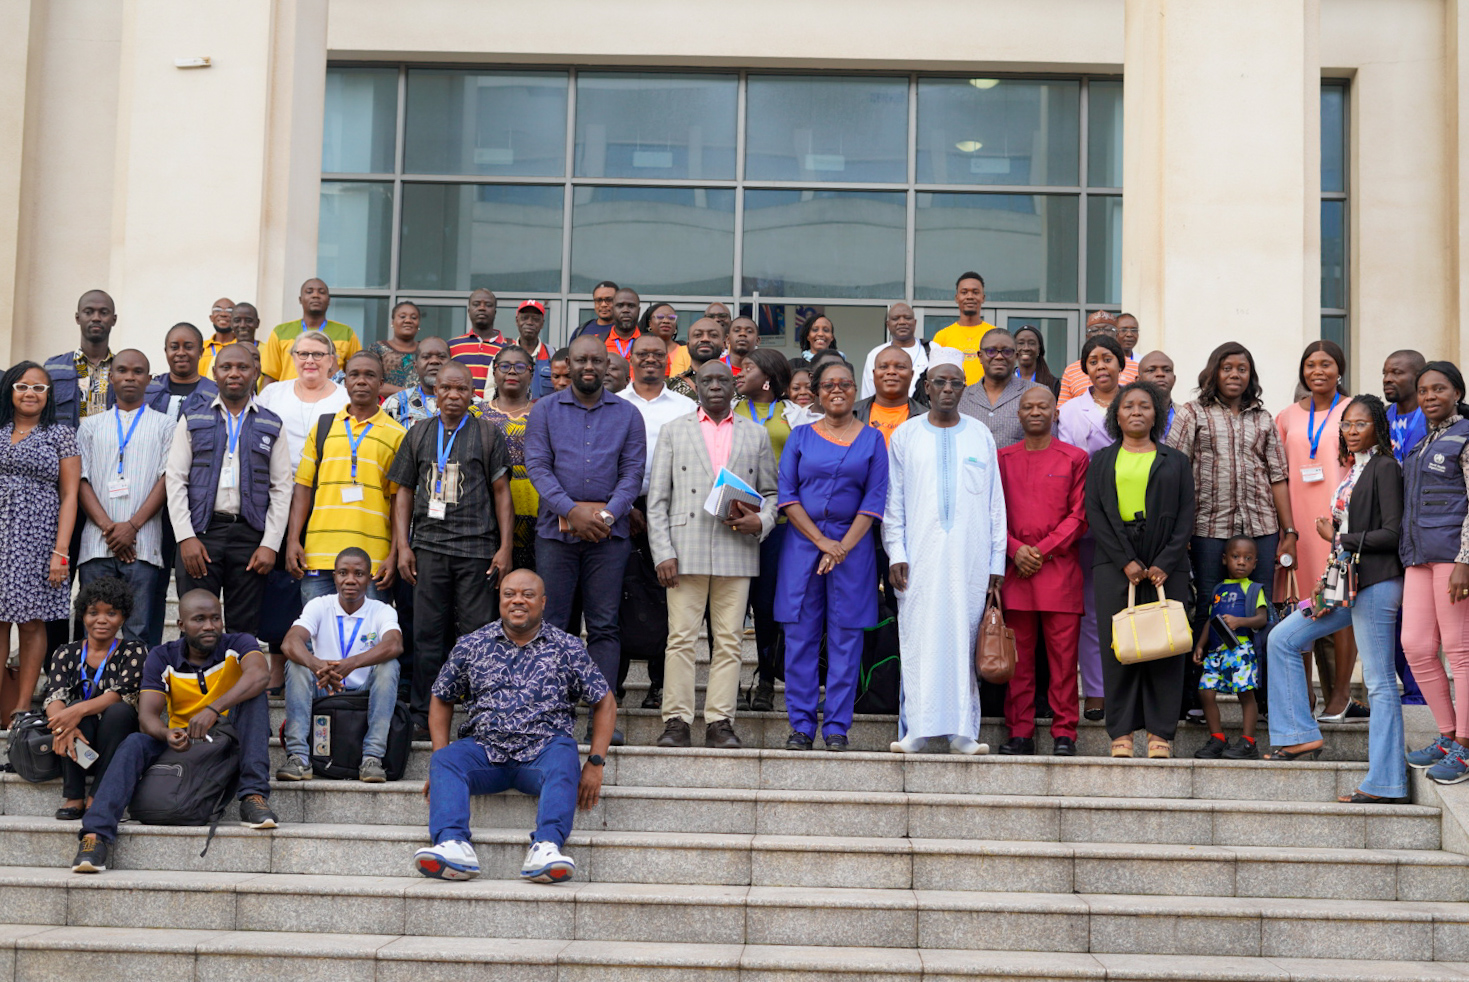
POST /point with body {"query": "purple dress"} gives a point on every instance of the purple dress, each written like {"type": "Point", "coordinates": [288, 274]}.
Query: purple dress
{"type": "Point", "coordinates": [30, 504]}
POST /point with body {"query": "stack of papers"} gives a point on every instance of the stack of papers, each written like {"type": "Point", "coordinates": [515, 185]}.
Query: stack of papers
{"type": "Point", "coordinates": [728, 489]}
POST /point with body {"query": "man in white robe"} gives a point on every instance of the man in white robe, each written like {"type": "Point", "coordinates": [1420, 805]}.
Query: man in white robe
{"type": "Point", "coordinates": [945, 535]}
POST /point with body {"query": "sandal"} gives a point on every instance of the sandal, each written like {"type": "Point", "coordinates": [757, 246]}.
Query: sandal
{"type": "Point", "coordinates": [1122, 746]}
{"type": "Point", "coordinates": [1159, 748]}
{"type": "Point", "coordinates": [1286, 755]}
{"type": "Point", "coordinates": [1360, 797]}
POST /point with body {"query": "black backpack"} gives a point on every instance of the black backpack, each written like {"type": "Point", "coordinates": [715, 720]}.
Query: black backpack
{"type": "Point", "coordinates": [192, 786]}
{"type": "Point", "coordinates": [881, 674]}
{"type": "Point", "coordinates": [339, 724]}
{"type": "Point", "coordinates": [30, 750]}
{"type": "Point", "coordinates": [643, 615]}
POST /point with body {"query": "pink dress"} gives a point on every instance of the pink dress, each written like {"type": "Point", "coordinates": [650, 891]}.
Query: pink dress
{"type": "Point", "coordinates": [1311, 499]}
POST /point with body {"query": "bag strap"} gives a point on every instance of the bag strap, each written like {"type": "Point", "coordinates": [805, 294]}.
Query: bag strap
{"type": "Point", "coordinates": [227, 792]}
{"type": "Point", "coordinates": [1131, 594]}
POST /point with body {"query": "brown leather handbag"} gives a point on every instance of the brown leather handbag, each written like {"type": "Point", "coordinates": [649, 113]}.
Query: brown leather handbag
{"type": "Point", "coordinates": [994, 646]}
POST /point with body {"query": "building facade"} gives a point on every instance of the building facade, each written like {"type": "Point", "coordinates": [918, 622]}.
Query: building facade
{"type": "Point", "coordinates": [1270, 171]}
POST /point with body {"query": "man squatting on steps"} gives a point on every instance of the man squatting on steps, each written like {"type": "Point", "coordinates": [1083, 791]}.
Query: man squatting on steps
{"type": "Point", "coordinates": [519, 680]}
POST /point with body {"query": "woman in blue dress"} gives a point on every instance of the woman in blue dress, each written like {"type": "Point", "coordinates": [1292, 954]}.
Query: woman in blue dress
{"type": "Point", "coordinates": [833, 483]}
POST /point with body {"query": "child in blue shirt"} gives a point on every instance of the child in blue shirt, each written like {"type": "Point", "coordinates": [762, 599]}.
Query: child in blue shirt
{"type": "Point", "coordinates": [1240, 603]}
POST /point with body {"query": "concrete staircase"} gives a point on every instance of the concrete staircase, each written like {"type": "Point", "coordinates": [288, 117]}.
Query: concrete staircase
{"type": "Point", "coordinates": [763, 864]}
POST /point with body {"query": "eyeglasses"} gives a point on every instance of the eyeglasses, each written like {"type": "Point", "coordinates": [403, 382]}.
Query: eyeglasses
{"type": "Point", "coordinates": [838, 385]}
{"type": "Point", "coordinates": [311, 355]}
{"type": "Point", "coordinates": [1346, 427]}
{"type": "Point", "coordinates": [40, 388]}
{"type": "Point", "coordinates": [946, 383]}
{"type": "Point", "coordinates": [513, 368]}
{"type": "Point", "coordinates": [223, 310]}
{"type": "Point", "coordinates": [995, 352]}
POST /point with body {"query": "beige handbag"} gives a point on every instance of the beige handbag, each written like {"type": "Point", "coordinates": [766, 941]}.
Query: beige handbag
{"type": "Point", "coordinates": [1148, 632]}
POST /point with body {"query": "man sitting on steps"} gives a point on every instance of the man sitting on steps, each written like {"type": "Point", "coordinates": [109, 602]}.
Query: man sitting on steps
{"type": "Point", "coordinates": [203, 677]}
{"type": "Point", "coordinates": [519, 680]}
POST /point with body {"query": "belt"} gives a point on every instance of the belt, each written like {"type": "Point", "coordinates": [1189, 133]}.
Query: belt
{"type": "Point", "coordinates": [224, 518]}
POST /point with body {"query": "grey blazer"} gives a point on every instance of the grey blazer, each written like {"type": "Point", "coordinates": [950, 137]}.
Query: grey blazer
{"type": "Point", "coordinates": [681, 478]}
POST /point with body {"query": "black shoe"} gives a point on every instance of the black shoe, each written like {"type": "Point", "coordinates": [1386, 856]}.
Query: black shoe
{"type": "Point", "coordinates": [69, 813]}
{"type": "Point", "coordinates": [654, 698]}
{"type": "Point", "coordinates": [675, 734]}
{"type": "Point", "coordinates": [720, 735]}
{"type": "Point", "coordinates": [1213, 750]}
{"type": "Point", "coordinates": [835, 742]}
{"type": "Point", "coordinates": [1044, 711]}
{"type": "Point", "coordinates": [255, 812]}
{"type": "Point", "coordinates": [798, 741]}
{"type": "Point", "coordinates": [763, 701]}
{"type": "Point", "coordinates": [1095, 715]}
{"type": "Point", "coordinates": [421, 734]}
{"type": "Point", "coordinates": [1241, 749]}
{"type": "Point", "coordinates": [1018, 746]}
{"type": "Point", "coordinates": [1063, 747]}
{"type": "Point", "coordinates": [92, 856]}
{"type": "Point", "coordinates": [617, 737]}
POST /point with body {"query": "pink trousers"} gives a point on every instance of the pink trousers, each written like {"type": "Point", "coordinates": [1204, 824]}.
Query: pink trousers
{"type": "Point", "coordinates": [1430, 621]}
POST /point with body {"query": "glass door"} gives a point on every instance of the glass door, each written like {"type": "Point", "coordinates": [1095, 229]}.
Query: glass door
{"type": "Point", "coordinates": [1060, 330]}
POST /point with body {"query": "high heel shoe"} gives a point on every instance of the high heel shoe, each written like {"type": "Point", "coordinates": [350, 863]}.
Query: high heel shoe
{"type": "Point", "coordinates": [1286, 755]}
{"type": "Point", "coordinates": [1122, 746]}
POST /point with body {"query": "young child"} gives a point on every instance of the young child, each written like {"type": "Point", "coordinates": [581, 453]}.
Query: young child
{"type": "Point", "coordinates": [1241, 604]}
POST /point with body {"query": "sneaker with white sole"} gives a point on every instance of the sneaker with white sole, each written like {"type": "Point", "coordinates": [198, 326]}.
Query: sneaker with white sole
{"type": "Point", "coordinates": [1452, 769]}
{"type": "Point", "coordinates": [295, 769]}
{"type": "Point", "coordinates": [1431, 754]}
{"type": "Point", "coordinates": [545, 864]}
{"type": "Point", "coordinates": [452, 859]}
{"type": "Point", "coordinates": [91, 855]}
{"type": "Point", "coordinates": [371, 771]}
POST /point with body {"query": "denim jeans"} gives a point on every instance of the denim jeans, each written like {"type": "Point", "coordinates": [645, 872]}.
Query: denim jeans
{"type": "Point", "coordinates": [142, 578]}
{"type": "Point", "coordinates": [302, 690]}
{"type": "Point", "coordinates": [1374, 619]}
{"type": "Point", "coordinates": [251, 720]}
{"type": "Point", "coordinates": [319, 583]}
{"type": "Point", "coordinates": [462, 769]}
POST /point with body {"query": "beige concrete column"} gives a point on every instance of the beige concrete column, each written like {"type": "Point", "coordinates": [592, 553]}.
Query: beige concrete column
{"type": "Point", "coordinates": [15, 63]}
{"type": "Point", "coordinates": [1221, 226]}
{"type": "Point", "coordinates": [1455, 339]}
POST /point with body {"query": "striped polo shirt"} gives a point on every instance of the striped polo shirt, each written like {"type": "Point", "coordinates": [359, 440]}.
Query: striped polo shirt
{"type": "Point", "coordinates": [336, 521]}
{"type": "Point", "coordinates": [479, 355]}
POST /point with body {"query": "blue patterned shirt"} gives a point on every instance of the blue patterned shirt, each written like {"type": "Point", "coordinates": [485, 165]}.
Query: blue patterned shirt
{"type": "Point", "coordinates": [519, 698]}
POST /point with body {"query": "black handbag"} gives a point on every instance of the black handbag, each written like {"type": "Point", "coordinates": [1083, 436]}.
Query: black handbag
{"type": "Point", "coordinates": [30, 752]}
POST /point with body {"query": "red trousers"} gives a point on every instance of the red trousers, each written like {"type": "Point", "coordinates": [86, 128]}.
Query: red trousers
{"type": "Point", "coordinates": [1062, 632]}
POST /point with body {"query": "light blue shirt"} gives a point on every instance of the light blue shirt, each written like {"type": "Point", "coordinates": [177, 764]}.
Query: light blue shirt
{"type": "Point", "coordinates": [142, 466]}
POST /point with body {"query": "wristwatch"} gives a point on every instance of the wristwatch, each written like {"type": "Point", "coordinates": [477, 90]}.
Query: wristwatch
{"type": "Point", "coordinates": [606, 517]}
{"type": "Point", "coordinates": [1289, 531]}
{"type": "Point", "coordinates": [596, 760]}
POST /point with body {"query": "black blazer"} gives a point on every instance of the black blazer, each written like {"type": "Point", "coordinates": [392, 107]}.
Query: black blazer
{"type": "Point", "coordinates": [1170, 511]}
{"type": "Point", "coordinates": [863, 409]}
{"type": "Point", "coordinates": [1375, 515]}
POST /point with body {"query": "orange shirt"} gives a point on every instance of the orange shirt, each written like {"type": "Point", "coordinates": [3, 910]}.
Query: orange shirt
{"type": "Point", "coordinates": [887, 419]}
{"type": "Point", "coordinates": [617, 346]}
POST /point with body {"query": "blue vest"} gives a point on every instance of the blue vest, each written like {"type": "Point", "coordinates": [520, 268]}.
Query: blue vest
{"type": "Point", "coordinates": [1434, 498]}
{"type": "Point", "coordinates": [156, 396]}
{"type": "Point", "coordinates": [66, 388]}
{"type": "Point", "coordinates": [258, 434]}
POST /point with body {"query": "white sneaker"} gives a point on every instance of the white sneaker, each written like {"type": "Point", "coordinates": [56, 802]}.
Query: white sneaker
{"type": "Point", "coordinates": [910, 744]}
{"type": "Point", "coordinates": [452, 859]}
{"type": "Point", "coordinates": [545, 864]}
{"type": "Point", "coordinates": [961, 744]}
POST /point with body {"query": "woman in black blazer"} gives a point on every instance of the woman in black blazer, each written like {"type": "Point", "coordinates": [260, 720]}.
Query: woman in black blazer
{"type": "Point", "coordinates": [1366, 522]}
{"type": "Point", "coordinates": [1145, 547]}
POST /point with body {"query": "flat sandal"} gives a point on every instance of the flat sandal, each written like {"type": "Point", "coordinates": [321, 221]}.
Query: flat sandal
{"type": "Point", "coordinates": [1122, 746]}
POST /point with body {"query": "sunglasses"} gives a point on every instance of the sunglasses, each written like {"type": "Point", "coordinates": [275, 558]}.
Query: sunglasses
{"type": "Point", "coordinates": [946, 383]}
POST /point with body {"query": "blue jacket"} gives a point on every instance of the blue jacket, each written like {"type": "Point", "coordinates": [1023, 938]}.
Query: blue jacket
{"type": "Point", "coordinates": [1434, 498]}
{"type": "Point", "coordinates": [258, 433]}
{"type": "Point", "coordinates": [156, 396]}
{"type": "Point", "coordinates": [66, 387]}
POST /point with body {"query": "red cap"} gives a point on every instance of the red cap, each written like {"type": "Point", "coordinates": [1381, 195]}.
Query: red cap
{"type": "Point", "coordinates": [532, 303]}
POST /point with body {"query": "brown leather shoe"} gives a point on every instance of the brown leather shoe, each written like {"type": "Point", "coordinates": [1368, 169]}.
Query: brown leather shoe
{"type": "Point", "coordinates": [720, 735]}
{"type": "Point", "coordinates": [675, 734]}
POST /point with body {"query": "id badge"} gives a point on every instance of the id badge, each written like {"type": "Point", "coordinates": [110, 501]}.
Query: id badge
{"type": "Point", "coordinates": [437, 509]}
{"type": "Point", "coordinates": [1312, 475]}
{"type": "Point", "coordinates": [351, 493]}
{"type": "Point", "coordinates": [227, 477]}
{"type": "Point", "coordinates": [117, 488]}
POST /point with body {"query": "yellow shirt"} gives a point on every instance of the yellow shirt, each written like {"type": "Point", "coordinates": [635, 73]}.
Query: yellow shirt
{"type": "Point", "coordinates": [337, 522]}
{"type": "Point", "coordinates": [275, 350]}
{"type": "Point", "coordinates": [206, 359]}
{"type": "Point", "coordinates": [966, 339]}
{"type": "Point", "coordinates": [1132, 482]}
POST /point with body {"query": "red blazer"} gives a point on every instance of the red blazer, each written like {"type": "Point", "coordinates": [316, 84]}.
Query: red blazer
{"type": "Point", "coordinates": [1045, 508]}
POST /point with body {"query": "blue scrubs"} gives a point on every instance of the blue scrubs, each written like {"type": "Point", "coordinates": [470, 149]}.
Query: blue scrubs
{"type": "Point", "coordinates": [834, 484]}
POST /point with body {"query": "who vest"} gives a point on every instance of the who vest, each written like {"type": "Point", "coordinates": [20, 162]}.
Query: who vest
{"type": "Point", "coordinates": [157, 396]}
{"type": "Point", "coordinates": [1434, 498]}
{"type": "Point", "coordinates": [66, 388]}
{"type": "Point", "coordinates": [258, 433]}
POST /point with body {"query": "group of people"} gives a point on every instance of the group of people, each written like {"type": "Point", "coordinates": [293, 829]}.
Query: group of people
{"type": "Point", "coordinates": [445, 519]}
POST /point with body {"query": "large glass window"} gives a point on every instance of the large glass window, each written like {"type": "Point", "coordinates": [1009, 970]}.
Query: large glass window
{"type": "Point", "coordinates": [1335, 292]}
{"type": "Point", "coordinates": [806, 190]}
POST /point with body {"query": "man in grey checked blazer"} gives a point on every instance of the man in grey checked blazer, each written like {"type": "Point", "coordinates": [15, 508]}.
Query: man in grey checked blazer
{"type": "Point", "coordinates": [701, 559]}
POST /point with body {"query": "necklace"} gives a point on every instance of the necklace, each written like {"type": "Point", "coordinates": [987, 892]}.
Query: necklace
{"type": "Point", "coordinates": [841, 436]}
{"type": "Point", "coordinates": [516, 414]}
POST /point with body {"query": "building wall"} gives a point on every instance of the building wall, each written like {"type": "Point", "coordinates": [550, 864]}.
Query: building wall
{"type": "Point", "coordinates": [170, 187]}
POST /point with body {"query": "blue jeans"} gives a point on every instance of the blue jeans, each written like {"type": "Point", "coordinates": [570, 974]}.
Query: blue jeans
{"type": "Point", "coordinates": [302, 690]}
{"type": "Point", "coordinates": [1374, 619]}
{"type": "Point", "coordinates": [462, 769]}
{"type": "Point", "coordinates": [251, 721]}
{"type": "Point", "coordinates": [597, 569]}
{"type": "Point", "coordinates": [319, 583]}
{"type": "Point", "coordinates": [141, 577]}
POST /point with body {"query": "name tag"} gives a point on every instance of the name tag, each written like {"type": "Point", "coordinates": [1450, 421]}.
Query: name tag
{"type": "Point", "coordinates": [117, 488]}
{"type": "Point", "coordinates": [351, 493]}
{"type": "Point", "coordinates": [1313, 475]}
{"type": "Point", "coordinates": [227, 477]}
{"type": "Point", "coordinates": [437, 509]}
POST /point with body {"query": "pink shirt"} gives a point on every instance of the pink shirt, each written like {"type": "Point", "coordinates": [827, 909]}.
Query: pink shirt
{"type": "Point", "coordinates": [717, 439]}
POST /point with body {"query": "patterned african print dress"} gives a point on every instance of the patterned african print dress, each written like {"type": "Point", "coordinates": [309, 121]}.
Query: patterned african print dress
{"type": "Point", "coordinates": [522, 492]}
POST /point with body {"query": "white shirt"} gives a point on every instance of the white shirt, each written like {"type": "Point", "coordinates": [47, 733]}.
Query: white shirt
{"type": "Point", "coordinates": [327, 623]}
{"type": "Point", "coordinates": [142, 466]}
{"type": "Point", "coordinates": [920, 362]}
{"type": "Point", "coordinates": [666, 406]}
{"type": "Point", "coordinates": [297, 417]}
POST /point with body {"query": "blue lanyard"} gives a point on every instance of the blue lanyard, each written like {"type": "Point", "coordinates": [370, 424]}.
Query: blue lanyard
{"type": "Point", "coordinates": [233, 426]}
{"type": "Point", "coordinates": [771, 413]}
{"type": "Point", "coordinates": [618, 342]}
{"type": "Point", "coordinates": [344, 643]}
{"type": "Point", "coordinates": [354, 444]}
{"type": "Point", "coordinates": [1313, 435]}
{"type": "Point", "coordinates": [87, 687]}
{"type": "Point", "coordinates": [1170, 422]}
{"type": "Point", "coordinates": [444, 453]}
{"type": "Point", "coordinates": [123, 441]}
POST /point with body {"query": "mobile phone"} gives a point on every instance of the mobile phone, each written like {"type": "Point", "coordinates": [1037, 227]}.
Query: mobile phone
{"type": "Point", "coordinates": [86, 756]}
{"type": "Point", "coordinates": [494, 578]}
{"type": "Point", "coordinates": [1231, 640]}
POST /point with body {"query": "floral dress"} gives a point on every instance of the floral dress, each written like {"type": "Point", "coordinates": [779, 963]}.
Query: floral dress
{"type": "Point", "coordinates": [30, 506]}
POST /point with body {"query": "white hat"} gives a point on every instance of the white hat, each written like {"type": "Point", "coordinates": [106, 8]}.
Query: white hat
{"type": "Point", "coordinates": [939, 355]}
